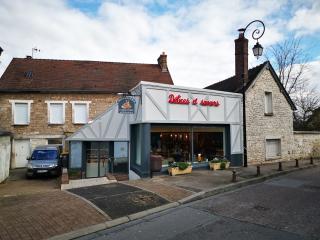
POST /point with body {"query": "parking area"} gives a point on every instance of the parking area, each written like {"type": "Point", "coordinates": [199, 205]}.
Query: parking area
{"type": "Point", "coordinates": [17, 184]}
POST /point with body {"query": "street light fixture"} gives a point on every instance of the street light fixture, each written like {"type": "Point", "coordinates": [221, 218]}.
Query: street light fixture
{"type": "Point", "coordinates": [1, 50]}
{"type": "Point", "coordinates": [257, 52]}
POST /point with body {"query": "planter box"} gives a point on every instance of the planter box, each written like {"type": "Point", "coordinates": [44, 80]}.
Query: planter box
{"type": "Point", "coordinates": [176, 171]}
{"type": "Point", "coordinates": [214, 166]}
{"type": "Point", "coordinates": [217, 166]}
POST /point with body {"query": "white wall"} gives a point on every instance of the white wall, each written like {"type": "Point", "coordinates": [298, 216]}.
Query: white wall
{"type": "Point", "coordinates": [5, 153]}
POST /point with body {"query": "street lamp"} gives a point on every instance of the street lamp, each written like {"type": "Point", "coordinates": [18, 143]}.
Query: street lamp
{"type": "Point", "coordinates": [257, 52]}
{"type": "Point", "coordinates": [1, 50]}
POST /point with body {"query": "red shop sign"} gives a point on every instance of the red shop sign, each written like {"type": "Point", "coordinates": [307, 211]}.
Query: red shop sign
{"type": "Point", "coordinates": [186, 101]}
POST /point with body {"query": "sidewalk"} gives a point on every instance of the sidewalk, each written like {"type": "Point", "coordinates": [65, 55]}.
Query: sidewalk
{"type": "Point", "coordinates": [201, 181]}
{"type": "Point", "coordinates": [199, 184]}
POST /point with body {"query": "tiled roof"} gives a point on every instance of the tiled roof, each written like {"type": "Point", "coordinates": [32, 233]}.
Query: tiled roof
{"type": "Point", "coordinates": [232, 84]}
{"type": "Point", "coordinates": [47, 75]}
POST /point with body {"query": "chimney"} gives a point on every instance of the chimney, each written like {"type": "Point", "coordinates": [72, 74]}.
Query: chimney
{"type": "Point", "coordinates": [241, 58]}
{"type": "Point", "coordinates": [162, 61]}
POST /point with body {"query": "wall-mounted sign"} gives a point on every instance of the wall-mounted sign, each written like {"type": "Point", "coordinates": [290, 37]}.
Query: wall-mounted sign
{"type": "Point", "coordinates": [177, 99]}
{"type": "Point", "coordinates": [126, 105]}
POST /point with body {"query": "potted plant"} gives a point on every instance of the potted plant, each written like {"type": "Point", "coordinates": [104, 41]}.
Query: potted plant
{"type": "Point", "coordinates": [217, 164]}
{"type": "Point", "coordinates": [177, 168]}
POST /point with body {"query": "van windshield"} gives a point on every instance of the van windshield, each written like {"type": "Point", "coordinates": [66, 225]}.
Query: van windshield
{"type": "Point", "coordinates": [44, 155]}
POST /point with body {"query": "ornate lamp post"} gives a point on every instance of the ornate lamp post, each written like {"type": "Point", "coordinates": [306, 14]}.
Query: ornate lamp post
{"type": "Point", "coordinates": [257, 52]}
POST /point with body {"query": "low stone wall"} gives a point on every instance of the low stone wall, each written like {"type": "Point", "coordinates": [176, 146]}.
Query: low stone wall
{"type": "Point", "coordinates": [5, 154]}
{"type": "Point", "coordinates": [306, 144]}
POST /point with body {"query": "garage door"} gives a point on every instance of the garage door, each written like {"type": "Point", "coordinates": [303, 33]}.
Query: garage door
{"type": "Point", "coordinates": [21, 152]}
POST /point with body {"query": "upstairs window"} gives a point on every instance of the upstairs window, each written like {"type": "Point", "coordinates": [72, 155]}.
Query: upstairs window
{"type": "Point", "coordinates": [80, 112]}
{"type": "Point", "coordinates": [268, 110]}
{"type": "Point", "coordinates": [21, 111]}
{"type": "Point", "coordinates": [56, 112]}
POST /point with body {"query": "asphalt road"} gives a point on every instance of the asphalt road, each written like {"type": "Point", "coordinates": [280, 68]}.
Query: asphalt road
{"type": "Point", "coordinates": [287, 207]}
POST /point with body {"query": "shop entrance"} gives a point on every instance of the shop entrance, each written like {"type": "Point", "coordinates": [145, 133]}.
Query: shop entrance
{"type": "Point", "coordinates": [97, 155]}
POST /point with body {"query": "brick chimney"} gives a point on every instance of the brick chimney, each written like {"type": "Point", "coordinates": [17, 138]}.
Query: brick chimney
{"type": "Point", "coordinates": [162, 61]}
{"type": "Point", "coordinates": [241, 58]}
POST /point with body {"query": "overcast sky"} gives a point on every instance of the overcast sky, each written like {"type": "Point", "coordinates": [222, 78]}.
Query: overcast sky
{"type": "Point", "coordinates": [198, 36]}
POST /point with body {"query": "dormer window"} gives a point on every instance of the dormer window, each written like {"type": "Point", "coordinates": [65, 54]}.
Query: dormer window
{"type": "Point", "coordinates": [268, 109]}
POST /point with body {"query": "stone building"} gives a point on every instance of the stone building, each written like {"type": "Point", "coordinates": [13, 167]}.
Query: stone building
{"type": "Point", "coordinates": [269, 108]}
{"type": "Point", "coordinates": [42, 100]}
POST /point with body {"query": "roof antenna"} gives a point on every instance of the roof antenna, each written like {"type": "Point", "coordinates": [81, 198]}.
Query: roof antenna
{"type": "Point", "coordinates": [35, 49]}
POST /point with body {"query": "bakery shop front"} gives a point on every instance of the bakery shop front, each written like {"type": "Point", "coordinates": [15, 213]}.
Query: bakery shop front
{"type": "Point", "coordinates": [167, 122]}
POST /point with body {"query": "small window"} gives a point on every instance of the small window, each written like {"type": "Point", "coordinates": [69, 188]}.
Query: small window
{"type": "Point", "coordinates": [268, 104]}
{"type": "Point", "coordinates": [56, 112]}
{"type": "Point", "coordinates": [21, 111]}
{"type": "Point", "coordinates": [80, 112]}
{"type": "Point", "coordinates": [273, 148]}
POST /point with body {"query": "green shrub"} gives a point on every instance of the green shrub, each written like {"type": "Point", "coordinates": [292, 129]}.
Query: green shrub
{"type": "Point", "coordinates": [223, 165]}
{"type": "Point", "coordinates": [182, 165]}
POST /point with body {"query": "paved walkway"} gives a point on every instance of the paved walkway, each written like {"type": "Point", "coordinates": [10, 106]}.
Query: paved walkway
{"type": "Point", "coordinates": [36, 209]}
{"type": "Point", "coordinates": [175, 188]}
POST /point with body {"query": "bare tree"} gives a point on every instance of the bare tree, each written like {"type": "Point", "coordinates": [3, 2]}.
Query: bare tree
{"type": "Point", "coordinates": [291, 63]}
{"type": "Point", "coordinates": [306, 100]}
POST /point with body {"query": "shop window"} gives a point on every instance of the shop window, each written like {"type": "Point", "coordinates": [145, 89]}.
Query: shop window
{"type": "Point", "coordinates": [268, 104]}
{"type": "Point", "coordinates": [187, 144]}
{"type": "Point", "coordinates": [56, 112]}
{"type": "Point", "coordinates": [207, 144]}
{"type": "Point", "coordinates": [80, 112]}
{"type": "Point", "coordinates": [273, 148]}
{"type": "Point", "coordinates": [21, 111]}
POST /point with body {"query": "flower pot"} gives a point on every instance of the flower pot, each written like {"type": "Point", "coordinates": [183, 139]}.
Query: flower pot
{"type": "Point", "coordinates": [176, 171]}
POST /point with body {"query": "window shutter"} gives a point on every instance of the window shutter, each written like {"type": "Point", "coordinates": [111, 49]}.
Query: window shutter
{"type": "Point", "coordinates": [21, 113]}
{"type": "Point", "coordinates": [56, 113]}
{"type": "Point", "coordinates": [80, 113]}
{"type": "Point", "coordinates": [273, 148]}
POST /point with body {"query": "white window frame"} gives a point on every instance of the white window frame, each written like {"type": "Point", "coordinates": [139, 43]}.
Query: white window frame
{"type": "Point", "coordinates": [73, 114]}
{"type": "Point", "coordinates": [266, 93]}
{"type": "Point", "coordinates": [13, 104]}
{"type": "Point", "coordinates": [63, 111]}
{"type": "Point", "coordinates": [280, 149]}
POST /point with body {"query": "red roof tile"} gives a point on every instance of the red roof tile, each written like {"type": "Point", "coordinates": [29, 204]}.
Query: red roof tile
{"type": "Point", "coordinates": [46, 75]}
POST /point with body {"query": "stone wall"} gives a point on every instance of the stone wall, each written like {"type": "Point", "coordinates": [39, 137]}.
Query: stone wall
{"type": "Point", "coordinates": [261, 127]}
{"type": "Point", "coordinates": [39, 112]}
{"type": "Point", "coordinates": [306, 144]}
{"type": "Point", "coordinates": [5, 152]}
{"type": "Point", "coordinates": [39, 130]}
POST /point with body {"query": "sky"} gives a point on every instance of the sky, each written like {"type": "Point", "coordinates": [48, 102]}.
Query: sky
{"type": "Point", "coordinates": [197, 35]}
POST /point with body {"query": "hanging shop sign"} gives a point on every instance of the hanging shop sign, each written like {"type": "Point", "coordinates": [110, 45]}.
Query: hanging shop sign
{"type": "Point", "coordinates": [126, 105]}
{"type": "Point", "coordinates": [177, 99]}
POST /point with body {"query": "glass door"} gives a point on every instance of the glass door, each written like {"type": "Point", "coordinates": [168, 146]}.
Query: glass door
{"type": "Point", "coordinates": [97, 154]}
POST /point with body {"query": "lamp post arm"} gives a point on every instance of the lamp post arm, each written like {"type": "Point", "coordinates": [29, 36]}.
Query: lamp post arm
{"type": "Point", "coordinates": [256, 34]}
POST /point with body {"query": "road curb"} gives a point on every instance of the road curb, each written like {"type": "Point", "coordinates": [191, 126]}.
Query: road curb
{"type": "Point", "coordinates": [240, 184]}
{"type": "Point", "coordinates": [192, 198]}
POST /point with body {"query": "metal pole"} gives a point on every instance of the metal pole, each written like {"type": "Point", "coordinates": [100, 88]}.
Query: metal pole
{"type": "Point", "coordinates": [234, 176]}
{"type": "Point", "coordinates": [245, 158]}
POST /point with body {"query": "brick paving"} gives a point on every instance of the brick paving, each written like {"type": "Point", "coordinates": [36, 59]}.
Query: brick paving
{"type": "Point", "coordinates": [42, 215]}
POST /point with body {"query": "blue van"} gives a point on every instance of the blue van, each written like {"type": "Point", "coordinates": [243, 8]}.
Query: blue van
{"type": "Point", "coordinates": [44, 160]}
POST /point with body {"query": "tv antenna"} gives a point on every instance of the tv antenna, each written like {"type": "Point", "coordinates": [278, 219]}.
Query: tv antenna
{"type": "Point", "coordinates": [35, 49]}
